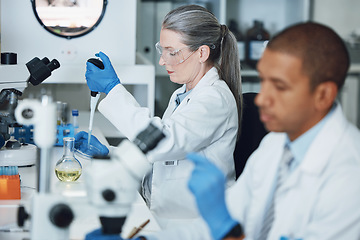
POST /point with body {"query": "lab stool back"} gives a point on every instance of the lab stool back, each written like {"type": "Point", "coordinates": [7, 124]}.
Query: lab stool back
{"type": "Point", "coordinates": [252, 132]}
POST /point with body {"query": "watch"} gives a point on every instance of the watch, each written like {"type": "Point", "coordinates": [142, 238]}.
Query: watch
{"type": "Point", "coordinates": [236, 231]}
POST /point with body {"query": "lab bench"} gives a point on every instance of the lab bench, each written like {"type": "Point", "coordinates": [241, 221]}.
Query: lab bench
{"type": "Point", "coordinates": [73, 193]}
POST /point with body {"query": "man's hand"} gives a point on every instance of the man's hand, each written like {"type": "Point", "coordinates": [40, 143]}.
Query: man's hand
{"type": "Point", "coordinates": [207, 183]}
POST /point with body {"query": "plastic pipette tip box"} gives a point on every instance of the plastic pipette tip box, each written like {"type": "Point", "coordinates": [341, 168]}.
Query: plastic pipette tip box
{"type": "Point", "coordinates": [9, 184]}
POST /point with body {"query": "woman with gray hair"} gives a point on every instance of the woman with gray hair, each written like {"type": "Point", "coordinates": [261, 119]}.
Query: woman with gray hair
{"type": "Point", "coordinates": [202, 116]}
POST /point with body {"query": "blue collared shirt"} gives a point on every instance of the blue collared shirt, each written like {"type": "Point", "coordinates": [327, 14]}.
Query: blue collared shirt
{"type": "Point", "coordinates": [180, 97]}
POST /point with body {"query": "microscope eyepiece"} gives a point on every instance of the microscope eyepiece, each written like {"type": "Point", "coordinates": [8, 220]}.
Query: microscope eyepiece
{"type": "Point", "coordinates": [54, 64]}
{"type": "Point", "coordinates": [41, 69]}
{"type": "Point", "coordinates": [149, 138]}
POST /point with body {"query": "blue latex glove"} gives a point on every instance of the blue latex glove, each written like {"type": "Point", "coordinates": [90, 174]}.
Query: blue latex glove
{"type": "Point", "coordinates": [95, 148]}
{"type": "Point", "coordinates": [286, 238]}
{"type": "Point", "coordinates": [98, 235]}
{"type": "Point", "coordinates": [207, 183]}
{"type": "Point", "coordinates": [101, 80]}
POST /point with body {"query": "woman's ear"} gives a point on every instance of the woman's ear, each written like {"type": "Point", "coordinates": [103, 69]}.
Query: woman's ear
{"type": "Point", "coordinates": [326, 93]}
{"type": "Point", "coordinates": [204, 51]}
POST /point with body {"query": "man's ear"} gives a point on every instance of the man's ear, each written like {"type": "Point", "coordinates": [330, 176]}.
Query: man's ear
{"type": "Point", "coordinates": [326, 93]}
{"type": "Point", "coordinates": [204, 51]}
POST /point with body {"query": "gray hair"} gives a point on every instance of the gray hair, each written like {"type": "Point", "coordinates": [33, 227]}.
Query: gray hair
{"type": "Point", "coordinates": [198, 26]}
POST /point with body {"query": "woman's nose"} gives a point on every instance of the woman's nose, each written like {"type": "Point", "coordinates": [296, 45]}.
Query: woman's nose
{"type": "Point", "coordinates": [161, 61]}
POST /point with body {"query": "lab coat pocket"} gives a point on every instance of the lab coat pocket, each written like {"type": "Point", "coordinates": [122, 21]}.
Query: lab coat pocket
{"type": "Point", "coordinates": [178, 169]}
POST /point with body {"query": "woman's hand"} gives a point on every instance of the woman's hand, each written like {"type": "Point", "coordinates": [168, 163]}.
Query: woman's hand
{"type": "Point", "coordinates": [101, 80]}
{"type": "Point", "coordinates": [94, 148]}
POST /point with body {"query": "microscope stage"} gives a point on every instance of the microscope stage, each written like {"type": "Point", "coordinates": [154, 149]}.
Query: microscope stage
{"type": "Point", "coordinates": [24, 156]}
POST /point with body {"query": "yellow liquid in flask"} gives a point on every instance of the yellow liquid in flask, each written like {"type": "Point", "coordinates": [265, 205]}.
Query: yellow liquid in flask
{"type": "Point", "coordinates": [68, 168]}
{"type": "Point", "coordinates": [68, 176]}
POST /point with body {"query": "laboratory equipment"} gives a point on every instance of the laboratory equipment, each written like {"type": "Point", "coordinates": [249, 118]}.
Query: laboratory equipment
{"type": "Point", "coordinates": [9, 183]}
{"type": "Point", "coordinates": [62, 113]}
{"type": "Point", "coordinates": [64, 128]}
{"type": "Point", "coordinates": [234, 28]}
{"type": "Point", "coordinates": [112, 183]}
{"type": "Point", "coordinates": [256, 39]}
{"type": "Point", "coordinates": [68, 168]}
{"type": "Point", "coordinates": [69, 19]}
{"type": "Point", "coordinates": [13, 80]}
{"type": "Point", "coordinates": [75, 119]}
{"type": "Point", "coordinates": [51, 216]}
{"type": "Point", "coordinates": [94, 97]}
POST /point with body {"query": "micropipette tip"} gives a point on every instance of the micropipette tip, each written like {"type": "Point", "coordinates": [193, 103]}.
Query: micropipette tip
{"type": "Point", "coordinates": [89, 137]}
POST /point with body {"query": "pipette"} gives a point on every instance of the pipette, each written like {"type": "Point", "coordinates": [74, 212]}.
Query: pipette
{"type": "Point", "coordinates": [93, 101]}
{"type": "Point", "coordinates": [94, 97]}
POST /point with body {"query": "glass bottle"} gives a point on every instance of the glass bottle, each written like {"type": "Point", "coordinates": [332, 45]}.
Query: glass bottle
{"type": "Point", "coordinates": [68, 168]}
{"type": "Point", "coordinates": [234, 28]}
{"type": "Point", "coordinates": [256, 39]}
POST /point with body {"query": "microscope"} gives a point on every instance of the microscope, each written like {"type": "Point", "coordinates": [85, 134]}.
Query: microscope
{"type": "Point", "coordinates": [13, 81]}
{"type": "Point", "coordinates": [111, 182]}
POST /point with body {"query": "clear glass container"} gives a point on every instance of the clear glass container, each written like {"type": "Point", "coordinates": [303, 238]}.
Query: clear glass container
{"type": "Point", "coordinates": [68, 168]}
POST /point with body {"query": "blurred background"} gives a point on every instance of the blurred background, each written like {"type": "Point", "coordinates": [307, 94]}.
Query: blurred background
{"type": "Point", "coordinates": [72, 31]}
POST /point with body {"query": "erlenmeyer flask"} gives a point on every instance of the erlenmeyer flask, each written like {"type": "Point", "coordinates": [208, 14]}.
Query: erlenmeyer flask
{"type": "Point", "coordinates": [68, 168]}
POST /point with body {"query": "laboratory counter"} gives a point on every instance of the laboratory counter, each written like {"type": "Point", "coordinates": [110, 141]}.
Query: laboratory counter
{"type": "Point", "coordinates": [75, 194]}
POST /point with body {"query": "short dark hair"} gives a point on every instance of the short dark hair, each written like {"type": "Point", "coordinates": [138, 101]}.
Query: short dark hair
{"type": "Point", "coordinates": [322, 51]}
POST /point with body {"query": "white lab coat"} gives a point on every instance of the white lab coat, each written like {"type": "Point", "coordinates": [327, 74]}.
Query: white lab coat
{"type": "Point", "coordinates": [319, 200]}
{"type": "Point", "coordinates": [205, 121]}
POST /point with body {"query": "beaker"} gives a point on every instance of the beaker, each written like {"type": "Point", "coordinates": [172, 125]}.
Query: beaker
{"type": "Point", "coordinates": [68, 168]}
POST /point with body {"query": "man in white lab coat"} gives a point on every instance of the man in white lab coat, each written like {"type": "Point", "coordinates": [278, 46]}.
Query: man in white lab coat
{"type": "Point", "coordinates": [314, 191]}
{"type": "Point", "coordinates": [315, 194]}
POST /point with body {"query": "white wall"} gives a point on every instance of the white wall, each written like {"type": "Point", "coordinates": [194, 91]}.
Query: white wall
{"type": "Point", "coordinates": [343, 16]}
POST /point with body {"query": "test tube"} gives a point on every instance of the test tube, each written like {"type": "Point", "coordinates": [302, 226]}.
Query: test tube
{"type": "Point", "coordinates": [75, 115]}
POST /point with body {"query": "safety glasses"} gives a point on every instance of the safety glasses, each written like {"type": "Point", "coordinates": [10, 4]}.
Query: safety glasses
{"type": "Point", "coordinates": [172, 57]}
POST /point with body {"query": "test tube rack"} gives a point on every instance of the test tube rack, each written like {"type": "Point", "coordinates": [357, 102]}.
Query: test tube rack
{"type": "Point", "coordinates": [9, 183]}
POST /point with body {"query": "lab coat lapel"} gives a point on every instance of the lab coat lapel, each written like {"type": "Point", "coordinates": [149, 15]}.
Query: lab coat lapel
{"type": "Point", "coordinates": [301, 186]}
{"type": "Point", "coordinates": [208, 79]}
{"type": "Point", "coordinates": [289, 183]}
{"type": "Point", "coordinates": [263, 182]}
{"type": "Point", "coordinates": [291, 180]}
{"type": "Point", "coordinates": [172, 105]}
{"type": "Point", "coordinates": [319, 152]}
